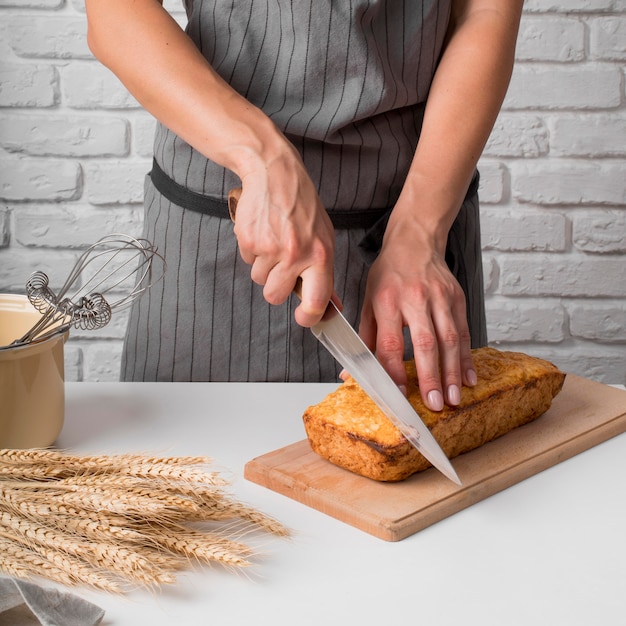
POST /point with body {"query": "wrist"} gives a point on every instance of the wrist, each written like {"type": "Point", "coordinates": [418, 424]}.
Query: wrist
{"type": "Point", "coordinates": [429, 203]}
{"type": "Point", "coordinates": [425, 217]}
{"type": "Point", "coordinates": [252, 143]}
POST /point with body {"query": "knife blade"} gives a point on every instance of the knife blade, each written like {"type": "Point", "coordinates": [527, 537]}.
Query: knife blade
{"type": "Point", "coordinates": [342, 341]}
{"type": "Point", "coordinates": [336, 334]}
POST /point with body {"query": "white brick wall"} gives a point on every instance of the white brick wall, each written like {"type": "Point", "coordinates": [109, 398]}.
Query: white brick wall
{"type": "Point", "coordinates": [74, 147]}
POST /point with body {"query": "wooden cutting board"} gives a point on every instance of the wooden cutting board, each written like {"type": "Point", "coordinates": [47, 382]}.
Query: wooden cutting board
{"type": "Point", "coordinates": [583, 415]}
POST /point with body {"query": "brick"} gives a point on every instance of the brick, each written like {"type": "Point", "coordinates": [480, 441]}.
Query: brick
{"type": "Point", "coordinates": [27, 85]}
{"type": "Point", "coordinates": [39, 179]}
{"type": "Point", "coordinates": [61, 135]}
{"type": "Point", "coordinates": [592, 135]}
{"type": "Point", "coordinates": [32, 4]}
{"type": "Point", "coordinates": [547, 38]}
{"type": "Point", "coordinates": [89, 85]}
{"type": "Point", "coordinates": [101, 360]}
{"type": "Point", "coordinates": [143, 135]}
{"type": "Point", "coordinates": [571, 6]}
{"type": "Point", "coordinates": [71, 226]}
{"type": "Point", "coordinates": [605, 364]}
{"type": "Point", "coordinates": [561, 86]}
{"type": "Point", "coordinates": [561, 182]}
{"type": "Point", "coordinates": [17, 264]}
{"type": "Point", "coordinates": [599, 322]}
{"type": "Point", "coordinates": [116, 182]}
{"type": "Point", "coordinates": [5, 229]}
{"type": "Point", "coordinates": [607, 38]}
{"type": "Point", "coordinates": [73, 358]}
{"type": "Point", "coordinates": [566, 275]}
{"type": "Point", "coordinates": [608, 367]}
{"type": "Point", "coordinates": [523, 230]}
{"type": "Point", "coordinates": [493, 178]}
{"type": "Point", "coordinates": [600, 232]}
{"type": "Point", "coordinates": [175, 9]}
{"type": "Point", "coordinates": [5, 49]}
{"type": "Point", "coordinates": [49, 37]}
{"type": "Point", "coordinates": [526, 321]}
{"type": "Point", "coordinates": [173, 6]}
{"type": "Point", "coordinates": [490, 274]}
{"type": "Point", "coordinates": [518, 136]}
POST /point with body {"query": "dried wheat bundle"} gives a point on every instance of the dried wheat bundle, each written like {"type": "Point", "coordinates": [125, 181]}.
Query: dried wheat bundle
{"type": "Point", "coordinates": [113, 521]}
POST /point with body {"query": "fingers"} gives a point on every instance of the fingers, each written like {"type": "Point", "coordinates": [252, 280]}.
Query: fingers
{"type": "Point", "coordinates": [426, 355]}
{"type": "Point", "coordinates": [440, 337]}
{"type": "Point", "coordinates": [382, 333]}
{"type": "Point", "coordinates": [260, 268]}
{"type": "Point", "coordinates": [316, 292]}
{"type": "Point", "coordinates": [442, 349]}
{"type": "Point", "coordinates": [456, 363]}
{"type": "Point", "coordinates": [283, 243]}
{"type": "Point", "coordinates": [438, 366]}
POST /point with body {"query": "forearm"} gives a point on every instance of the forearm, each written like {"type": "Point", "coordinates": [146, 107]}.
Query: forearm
{"type": "Point", "coordinates": [464, 101]}
{"type": "Point", "coordinates": [158, 63]}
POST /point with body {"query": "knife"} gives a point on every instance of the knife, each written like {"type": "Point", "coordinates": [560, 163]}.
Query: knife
{"type": "Point", "coordinates": [336, 334]}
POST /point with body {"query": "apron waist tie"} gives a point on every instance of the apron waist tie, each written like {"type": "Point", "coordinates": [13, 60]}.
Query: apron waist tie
{"type": "Point", "coordinates": [194, 201]}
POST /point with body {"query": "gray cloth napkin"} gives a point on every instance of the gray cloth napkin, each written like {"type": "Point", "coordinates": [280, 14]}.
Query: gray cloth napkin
{"type": "Point", "coordinates": [26, 604]}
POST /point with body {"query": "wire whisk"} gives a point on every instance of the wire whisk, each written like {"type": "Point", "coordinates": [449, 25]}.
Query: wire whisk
{"type": "Point", "coordinates": [108, 277]}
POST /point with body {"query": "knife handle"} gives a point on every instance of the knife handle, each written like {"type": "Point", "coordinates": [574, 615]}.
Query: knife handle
{"type": "Point", "coordinates": [233, 200]}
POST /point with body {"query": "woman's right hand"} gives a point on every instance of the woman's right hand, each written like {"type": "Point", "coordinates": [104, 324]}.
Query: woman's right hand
{"type": "Point", "coordinates": [284, 233]}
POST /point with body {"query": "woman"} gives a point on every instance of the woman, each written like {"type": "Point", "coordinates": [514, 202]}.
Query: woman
{"type": "Point", "coordinates": [354, 128]}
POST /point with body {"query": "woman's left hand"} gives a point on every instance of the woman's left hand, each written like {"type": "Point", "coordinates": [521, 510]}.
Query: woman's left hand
{"type": "Point", "coordinates": [410, 285]}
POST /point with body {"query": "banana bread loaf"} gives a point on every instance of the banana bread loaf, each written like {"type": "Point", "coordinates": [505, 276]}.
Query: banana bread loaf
{"type": "Point", "coordinates": [349, 430]}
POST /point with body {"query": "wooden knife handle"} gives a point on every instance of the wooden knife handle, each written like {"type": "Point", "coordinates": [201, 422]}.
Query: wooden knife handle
{"type": "Point", "coordinates": [233, 199]}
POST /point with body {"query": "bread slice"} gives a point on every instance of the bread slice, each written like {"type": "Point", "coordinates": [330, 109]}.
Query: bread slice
{"type": "Point", "coordinates": [349, 430]}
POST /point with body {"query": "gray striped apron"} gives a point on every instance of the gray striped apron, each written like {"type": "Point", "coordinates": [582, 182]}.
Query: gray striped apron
{"type": "Point", "coordinates": [346, 81]}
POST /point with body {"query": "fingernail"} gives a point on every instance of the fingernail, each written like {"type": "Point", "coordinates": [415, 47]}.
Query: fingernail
{"type": "Point", "coordinates": [402, 389]}
{"type": "Point", "coordinates": [435, 400]}
{"type": "Point", "coordinates": [472, 378]}
{"type": "Point", "coordinates": [454, 395]}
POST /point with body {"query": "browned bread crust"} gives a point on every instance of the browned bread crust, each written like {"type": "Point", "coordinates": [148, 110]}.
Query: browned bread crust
{"type": "Point", "coordinates": [349, 430]}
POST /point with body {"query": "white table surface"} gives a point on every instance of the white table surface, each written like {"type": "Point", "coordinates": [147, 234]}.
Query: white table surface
{"type": "Point", "coordinates": [550, 550]}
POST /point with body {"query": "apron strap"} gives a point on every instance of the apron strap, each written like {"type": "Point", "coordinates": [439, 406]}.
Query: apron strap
{"type": "Point", "coordinates": [194, 201]}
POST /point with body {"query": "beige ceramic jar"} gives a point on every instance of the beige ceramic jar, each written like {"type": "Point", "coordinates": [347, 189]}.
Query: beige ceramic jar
{"type": "Point", "coordinates": [32, 379]}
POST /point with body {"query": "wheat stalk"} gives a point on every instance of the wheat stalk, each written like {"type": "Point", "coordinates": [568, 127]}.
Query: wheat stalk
{"type": "Point", "coordinates": [145, 569]}
{"type": "Point", "coordinates": [40, 464]}
{"type": "Point", "coordinates": [38, 455]}
{"type": "Point", "coordinates": [21, 562]}
{"type": "Point", "coordinates": [207, 547]}
{"type": "Point", "coordinates": [103, 521]}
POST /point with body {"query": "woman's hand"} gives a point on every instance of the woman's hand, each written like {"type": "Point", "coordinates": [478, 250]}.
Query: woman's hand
{"type": "Point", "coordinates": [410, 285]}
{"type": "Point", "coordinates": [284, 233]}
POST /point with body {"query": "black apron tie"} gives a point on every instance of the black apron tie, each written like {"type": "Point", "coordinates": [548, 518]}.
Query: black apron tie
{"type": "Point", "coordinates": [194, 201]}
